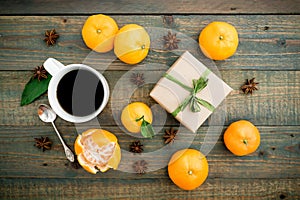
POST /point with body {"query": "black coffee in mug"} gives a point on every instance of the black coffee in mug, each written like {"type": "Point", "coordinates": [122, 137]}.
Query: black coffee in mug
{"type": "Point", "coordinates": [80, 92]}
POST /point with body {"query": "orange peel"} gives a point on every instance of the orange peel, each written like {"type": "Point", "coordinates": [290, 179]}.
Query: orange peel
{"type": "Point", "coordinates": [97, 150]}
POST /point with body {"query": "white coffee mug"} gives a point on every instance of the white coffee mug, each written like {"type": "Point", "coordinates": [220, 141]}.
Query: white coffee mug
{"type": "Point", "coordinates": [58, 71]}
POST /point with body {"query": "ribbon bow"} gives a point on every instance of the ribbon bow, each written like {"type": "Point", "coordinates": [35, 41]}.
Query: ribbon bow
{"type": "Point", "coordinates": [192, 99]}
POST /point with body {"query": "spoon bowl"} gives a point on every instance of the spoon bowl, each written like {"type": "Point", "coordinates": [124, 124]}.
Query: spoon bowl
{"type": "Point", "coordinates": [46, 113]}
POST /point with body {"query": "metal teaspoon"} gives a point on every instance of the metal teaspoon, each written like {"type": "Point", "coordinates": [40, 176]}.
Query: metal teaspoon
{"type": "Point", "coordinates": [46, 114]}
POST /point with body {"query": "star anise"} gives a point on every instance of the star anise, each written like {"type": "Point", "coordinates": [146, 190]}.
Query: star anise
{"type": "Point", "coordinates": [171, 41]}
{"type": "Point", "coordinates": [51, 37]}
{"type": "Point", "coordinates": [249, 86]}
{"type": "Point", "coordinates": [43, 143]}
{"type": "Point", "coordinates": [136, 147]}
{"type": "Point", "coordinates": [39, 72]}
{"type": "Point", "coordinates": [140, 166]}
{"type": "Point", "coordinates": [170, 135]}
{"type": "Point", "coordinates": [137, 79]}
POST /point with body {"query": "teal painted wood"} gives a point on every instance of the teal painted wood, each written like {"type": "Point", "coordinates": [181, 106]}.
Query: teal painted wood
{"type": "Point", "coordinates": [267, 42]}
{"type": "Point", "coordinates": [149, 7]}
{"type": "Point", "coordinates": [268, 50]}
{"type": "Point", "coordinates": [144, 188]}
{"type": "Point", "coordinates": [275, 103]}
{"type": "Point", "coordinates": [277, 157]}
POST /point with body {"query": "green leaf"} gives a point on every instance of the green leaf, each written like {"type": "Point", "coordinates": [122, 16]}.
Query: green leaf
{"type": "Point", "coordinates": [34, 89]}
{"type": "Point", "coordinates": [146, 129]}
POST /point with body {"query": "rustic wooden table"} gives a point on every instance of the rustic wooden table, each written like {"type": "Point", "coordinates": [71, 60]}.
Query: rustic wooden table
{"type": "Point", "coordinates": [269, 50]}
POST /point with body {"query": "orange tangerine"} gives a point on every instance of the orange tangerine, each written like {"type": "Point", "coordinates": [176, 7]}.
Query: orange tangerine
{"type": "Point", "coordinates": [132, 44]}
{"type": "Point", "coordinates": [97, 150]}
{"type": "Point", "coordinates": [98, 32]}
{"type": "Point", "coordinates": [135, 111]}
{"type": "Point", "coordinates": [218, 40]}
{"type": "Point", "coordinates": [188, 169]}
{"type": "Point", "coordinates": [242, 138]}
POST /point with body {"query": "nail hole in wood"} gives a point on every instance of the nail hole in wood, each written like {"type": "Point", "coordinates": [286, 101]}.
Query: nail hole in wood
{"type": "Point", "coordinates": [261, 153]}
{"type": "Point", "coordinates": [292, 135]}
{"type": "Point", "coordinates": [266, 28]}
{"type": "Point", "coordinates": [282, 196]}
{"type": "Point", "coordinates": [45, 164]}
{"type": "Point", "coordinates": [65, 20]}
{"type": "Point", "coordinates": [273, 148]}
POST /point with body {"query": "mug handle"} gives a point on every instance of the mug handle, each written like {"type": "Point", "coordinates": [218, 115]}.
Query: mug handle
{"type": "Point", "coordinates": [53, 66]}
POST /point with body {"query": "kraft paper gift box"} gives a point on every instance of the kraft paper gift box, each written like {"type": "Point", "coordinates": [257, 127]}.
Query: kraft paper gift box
{"type": "Point", "coordinates": [190, 91]}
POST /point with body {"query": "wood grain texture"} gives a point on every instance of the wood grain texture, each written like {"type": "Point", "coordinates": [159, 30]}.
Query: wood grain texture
{"type": "Point", "coordinates": [269, 50]}
{"type": "Point", "coordinates": [277, 157]}
{"type": "Point", "coordinates": [149, 7]}
{"type": "Point", "coordinates": [277, 102]}
{"type": "Point", "coordinates": [267, 42]}
{"type": "Point", "coordinates": [148, 189]}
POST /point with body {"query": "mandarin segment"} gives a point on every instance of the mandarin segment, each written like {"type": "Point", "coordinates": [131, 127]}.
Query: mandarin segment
{"type": "Point", "coordinates": [85, 165]}
{"type": "Point", "coordinates": [115, 159]}
{"type": "Point", "coordinates": [97, 149]}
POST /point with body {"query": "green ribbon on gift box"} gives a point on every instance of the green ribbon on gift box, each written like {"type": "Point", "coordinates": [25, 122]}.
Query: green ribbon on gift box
{"type": "Point", "coordinates": [192, 99]}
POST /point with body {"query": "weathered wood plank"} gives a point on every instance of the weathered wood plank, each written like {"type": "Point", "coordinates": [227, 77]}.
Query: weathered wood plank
{"type": "Point", "coordinates": [148, 189]}
{"type": "Point", "coordinates": [275, 103]}
{"type": "Point", "coordinates": [153, 6]}
{"type": "Point", "coordinates": [277, 157]}
{"type": "Point", "coordinates": [267, 42]}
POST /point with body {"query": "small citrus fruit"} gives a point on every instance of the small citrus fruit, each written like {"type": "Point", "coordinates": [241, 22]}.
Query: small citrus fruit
{"type": "Point", "coordinates": [188, 169]}
{"type": "Point", "coordinates": [98, 32]}
{"type": "Point", "coordinates": [218, 40]}
{"type": "Point", "coordinates": [132, 44]}
{"type": "Point", "coordinates": [242, 138]}
{"type": "Point", "coordinates": [97, 150]}
{"type": "Point", "coordinates": [135, 111]}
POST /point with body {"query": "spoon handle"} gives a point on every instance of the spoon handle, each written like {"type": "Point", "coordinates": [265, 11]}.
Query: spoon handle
{"type": "Point", "coordinates": [68, 152]}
